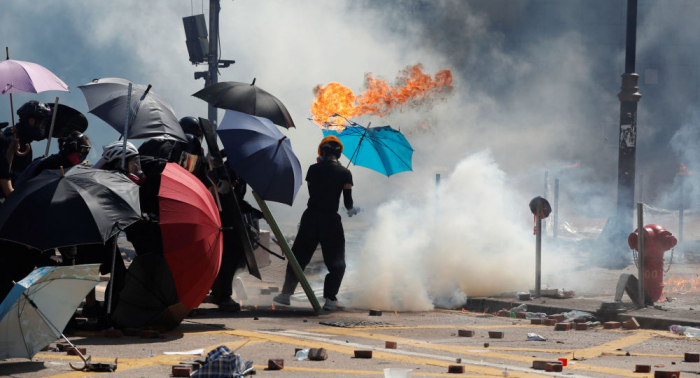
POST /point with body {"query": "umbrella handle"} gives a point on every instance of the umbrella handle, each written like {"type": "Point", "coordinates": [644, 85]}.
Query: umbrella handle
{"type": "Point", "coordinates": [111, 272]}
{"type": "Point", "coordinates": [53, 122]}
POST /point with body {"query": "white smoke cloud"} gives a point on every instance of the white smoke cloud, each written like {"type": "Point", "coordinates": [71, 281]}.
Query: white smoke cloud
{"type": "Point", "coordinates": [468, 238]}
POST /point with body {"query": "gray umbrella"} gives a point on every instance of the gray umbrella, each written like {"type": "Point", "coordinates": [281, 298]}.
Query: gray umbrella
{"type": "Point", "coordinates": [150, 116]}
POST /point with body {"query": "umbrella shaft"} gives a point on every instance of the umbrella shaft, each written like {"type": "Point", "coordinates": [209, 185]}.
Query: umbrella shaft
{"type": "Point", "coordinates": [126, 126]}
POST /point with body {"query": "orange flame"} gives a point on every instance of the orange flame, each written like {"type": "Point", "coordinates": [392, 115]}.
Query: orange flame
{"type": "Point", "coordinates": [395, 313]}
{"type": "Point", "coordinates": [683, 171]}
{"type": "Point", "coordinates": [273, 306]}
{"type": "Point", "coordinates": [379, 98]}
{"type": "Point", "coordinates": [676, 285]}
{"type": "Point", "coordinates": [572, 165]}
{"type": "Point", "coordinates": [256, 307]}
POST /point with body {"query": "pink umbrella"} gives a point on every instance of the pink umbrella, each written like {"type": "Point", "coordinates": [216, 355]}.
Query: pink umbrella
{"type": "Point", "coordinates": [25, 77]}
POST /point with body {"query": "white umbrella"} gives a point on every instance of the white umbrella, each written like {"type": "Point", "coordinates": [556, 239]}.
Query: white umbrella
{"type": "Point", "coordinates": [36, 310]}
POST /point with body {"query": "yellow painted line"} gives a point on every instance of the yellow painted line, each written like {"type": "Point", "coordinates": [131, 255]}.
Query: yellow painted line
{"type": "Point", "coordinates": [376, 354]}
{"type": "Point", "coordinates": [456, 349]}
{"type": "Point", "coordinates": [454, 326]}
{"type": "Point", "coordinates": [363, 372]}
{"type": "Point", "coordinates": [136, 363]}
{"type": "Point", "coordinates": [596, 351]}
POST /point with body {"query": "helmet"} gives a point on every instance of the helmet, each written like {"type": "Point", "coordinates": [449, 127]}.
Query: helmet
{"type": "Point", "coordinates": [190, 158]}
{"type": "Point", "coordinates": [190, 125]}
{"type": "Point", "coordinates": [76, 142]}
{"type": "Point", "coordinates": [33, 109]}
{"type": "Point", "coordinates": [115, 150]}
{"type": "Point", "coordinates": [329, 140]}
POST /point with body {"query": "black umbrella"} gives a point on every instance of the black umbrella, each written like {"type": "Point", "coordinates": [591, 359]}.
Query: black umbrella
{"type": "Point", "coordinates": [82, 206]}
{"type": "Point", "coordinates": [149, 296]}
{"type": "Point", "coordinates": [149, 116]}
{"type": "Point", "coordinates": [247, 98]}
{"type": "Point", "coordinates": [67, 121]}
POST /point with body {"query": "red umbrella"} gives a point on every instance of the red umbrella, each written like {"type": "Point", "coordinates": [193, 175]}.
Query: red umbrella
{"type": "Point", "coordinates": [191, 228]}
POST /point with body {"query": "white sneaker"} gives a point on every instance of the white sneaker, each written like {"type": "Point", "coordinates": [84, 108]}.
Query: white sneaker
{"type": "Point", "coordinates": [332, 305]}
{"type": "Point", "coordinates": [282, 298]}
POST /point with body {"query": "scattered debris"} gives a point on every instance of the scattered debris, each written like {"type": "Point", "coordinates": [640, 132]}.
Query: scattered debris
{"type": "Point", "coordinates": [181, 370]}
{"type": "Point", "coordinates": [320, 354]}
{"type": "Point", "coordinates": [222, 362]}
{"type": "Point", "coordinates": [352, 324]}
{"type": "Point", "coordinates": [455, 369]}
{"type": "Point", "coordinates": [390, 345]}
{"type": "Point", "coordinates": [612, 325]}
{"type": "Point", "coordinates": [375, 312]}
{"type": "Point", "coordinates": [692, 357]}
{"type": "Point", "coordinates": [523, 296]}
{"type": "Point", "coordinates": [535, 337]}
{"type": "Point", "coordinates": [632, 323]}
{"type": "Point", "coordinates": [542, 364]}
{"type": "Point", "coordinates": [642, 368]}
{"type": "Point", "coordinates": [465, 333]}
{"type": "Point", "coordinates": [363, 354]}
{"type": "Point", "coordinates": [562, 326]}
{"type": "Point", "coordinates": [496, 334]}
{"type": "Point", "coordinates": [71, 351]}
{"type": "Point", "coordinates": [555, 293]}
{"type": "Point", "coordinates": [275, 364]}
{"type": "Point", "coordinates": [554, 367]}
{"type": "Point", "coordinates": [195, 352]}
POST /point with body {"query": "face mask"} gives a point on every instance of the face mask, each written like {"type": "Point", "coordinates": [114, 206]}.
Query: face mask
{"type": "Point", "coordinates": [134, 178]}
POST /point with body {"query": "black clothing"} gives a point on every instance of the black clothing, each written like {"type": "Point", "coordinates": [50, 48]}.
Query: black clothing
{"type": "Point", "coordinates": [347, 198]}
{"type": "Point", "coordinates": [19, 163]}
{"type": "Point", "coordinates": [325, 228]}
{"type": "Point", "coordinates": [233, 256]}
{"type": "Point", "coordinates": [16, 262]}
{"type": "Point", "coordinates": [145, 234]}
{"type": "Point", "coordinates": [321, 223]}
{"type": "Point", "coordinates": [102, 254]}
{"type": "Point", "coordinates": [165, 149]}
{"type": "Point", "coordinates": [4, 164]}
{"type": "Point", "coordinates": [326, 181]}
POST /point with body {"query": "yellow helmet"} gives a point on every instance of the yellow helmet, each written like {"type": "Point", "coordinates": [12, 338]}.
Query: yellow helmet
{"type": "Point", "coordinates": [330, 138]}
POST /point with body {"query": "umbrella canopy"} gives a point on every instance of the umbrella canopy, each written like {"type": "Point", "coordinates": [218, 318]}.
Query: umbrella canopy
{"type": "Point", "coordinates": [246, 98]}
{"type": "Point", "coordinates": [151, 115]}
{"type": "Point", "coordinates": [67, 121]}
{"type": "Point", "coordinates": [382, 149]}
{"type": "Point", "coordinates": [86, 206]}
{"type": "Point", "coordinates": [37, 309]}
{"type": "Point", "coordinates": [160, 289]}
{"type": "Point", "coordinates": [262, 155]}
{"type": "Point", "coordinates": [24, 77]}
{"type": "Point", "coordinates": [191, 228]}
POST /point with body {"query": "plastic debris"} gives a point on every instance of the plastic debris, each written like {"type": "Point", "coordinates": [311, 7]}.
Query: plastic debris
{"type": "Point", "coordinates": [535, 337]}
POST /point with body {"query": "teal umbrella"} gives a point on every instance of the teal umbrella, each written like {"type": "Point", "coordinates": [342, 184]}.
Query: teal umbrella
{"type": "Point", "coordinates": [382, 149]}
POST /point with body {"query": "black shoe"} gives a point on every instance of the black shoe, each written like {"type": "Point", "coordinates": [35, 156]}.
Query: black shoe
{"type": "Point", "coordinates": [228, 305]}
{"type": "Point", "coordinates": [94, 311]}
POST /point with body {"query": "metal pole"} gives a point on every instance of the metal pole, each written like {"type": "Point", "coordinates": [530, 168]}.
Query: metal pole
{"type": "Point", "coordinates": [641, 188]}
{"type": "Point", "coordinates": [213, 59]}
{"type": "Point", "coordinates": [629, 97]}
{"type": "Point", "coordinates": [53, 121]}
{"type": "Point", "coordinates": [546, 189]}
{"type": "Point", "coordinates": [111, 273]}
{"type": "Point", "coordinates": [680, 216]}
{"type": "Point", "coordinates": [126, 126]}
{"type": "Point", "coordinates": [556, 208]}
{"type": "Point", "coordinates": [538, 249]}
{"type": "Point", "coordinates": [640, 243]}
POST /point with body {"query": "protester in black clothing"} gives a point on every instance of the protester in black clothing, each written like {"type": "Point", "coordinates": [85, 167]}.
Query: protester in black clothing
{"type": "Point", "coordinates": [72, 150]}
{"type": "Point", "coordinates": [167, 148]}
{"type": "Point", "coordinates": [321, 223]}
{"type": "Point", "coordinates": [233, 256]}
{"type": "Point", "coordinates": [33, 121]}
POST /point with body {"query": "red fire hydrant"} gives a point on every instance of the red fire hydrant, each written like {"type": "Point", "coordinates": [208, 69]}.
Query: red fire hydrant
{"type": "Point", "coordinates": [657, 240]}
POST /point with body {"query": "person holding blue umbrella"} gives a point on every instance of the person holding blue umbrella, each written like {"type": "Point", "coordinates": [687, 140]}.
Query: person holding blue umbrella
{"type": "Point", "coordinates": [321, 223]}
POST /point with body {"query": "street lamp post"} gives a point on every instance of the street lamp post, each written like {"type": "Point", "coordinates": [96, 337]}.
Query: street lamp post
{"type": "Point", "coordinates": [629, 97]}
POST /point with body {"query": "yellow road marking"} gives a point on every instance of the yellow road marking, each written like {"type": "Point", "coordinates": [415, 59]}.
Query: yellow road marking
{"type": "Point", "coordinates": [135, 363]}
{"type": "Point", "coordinates": [376, 354]}
{"type": "Point", "coordinates": [466, 350]}
{"type": "Point", "coordinates": [344, 371]}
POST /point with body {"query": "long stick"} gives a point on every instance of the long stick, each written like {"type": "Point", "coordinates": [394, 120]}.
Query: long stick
{"type": "Point", "coordinates": [111, 273]}
{"type": "Point", "coordinates": [126, 126]}
{"type": "Point", "coordinates": [53, 121]}
{"type": "Point", "coordinates": [288, 253]}
{"type": "Point", "coordinates": [640, 259]}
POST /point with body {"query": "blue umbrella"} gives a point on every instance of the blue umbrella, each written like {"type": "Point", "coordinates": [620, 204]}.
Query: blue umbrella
{"type": "Point", "coordinates": [262, 155]}
{"type": "Point", "coordinates": [382, 149]}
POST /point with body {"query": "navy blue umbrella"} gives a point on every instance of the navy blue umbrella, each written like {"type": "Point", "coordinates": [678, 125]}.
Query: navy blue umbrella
{"type": "Point", "coordinates": [262, 155]}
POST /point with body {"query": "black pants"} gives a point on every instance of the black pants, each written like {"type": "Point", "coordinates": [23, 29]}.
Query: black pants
{"type": "Point", "coordinates": [102, 254]}
{"type": "Point", "coordinates": [325, 228]}
{"type": "Point", "coordinates": [232, 259]}
{"type": "Point", "coordinates": [16, 262]}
